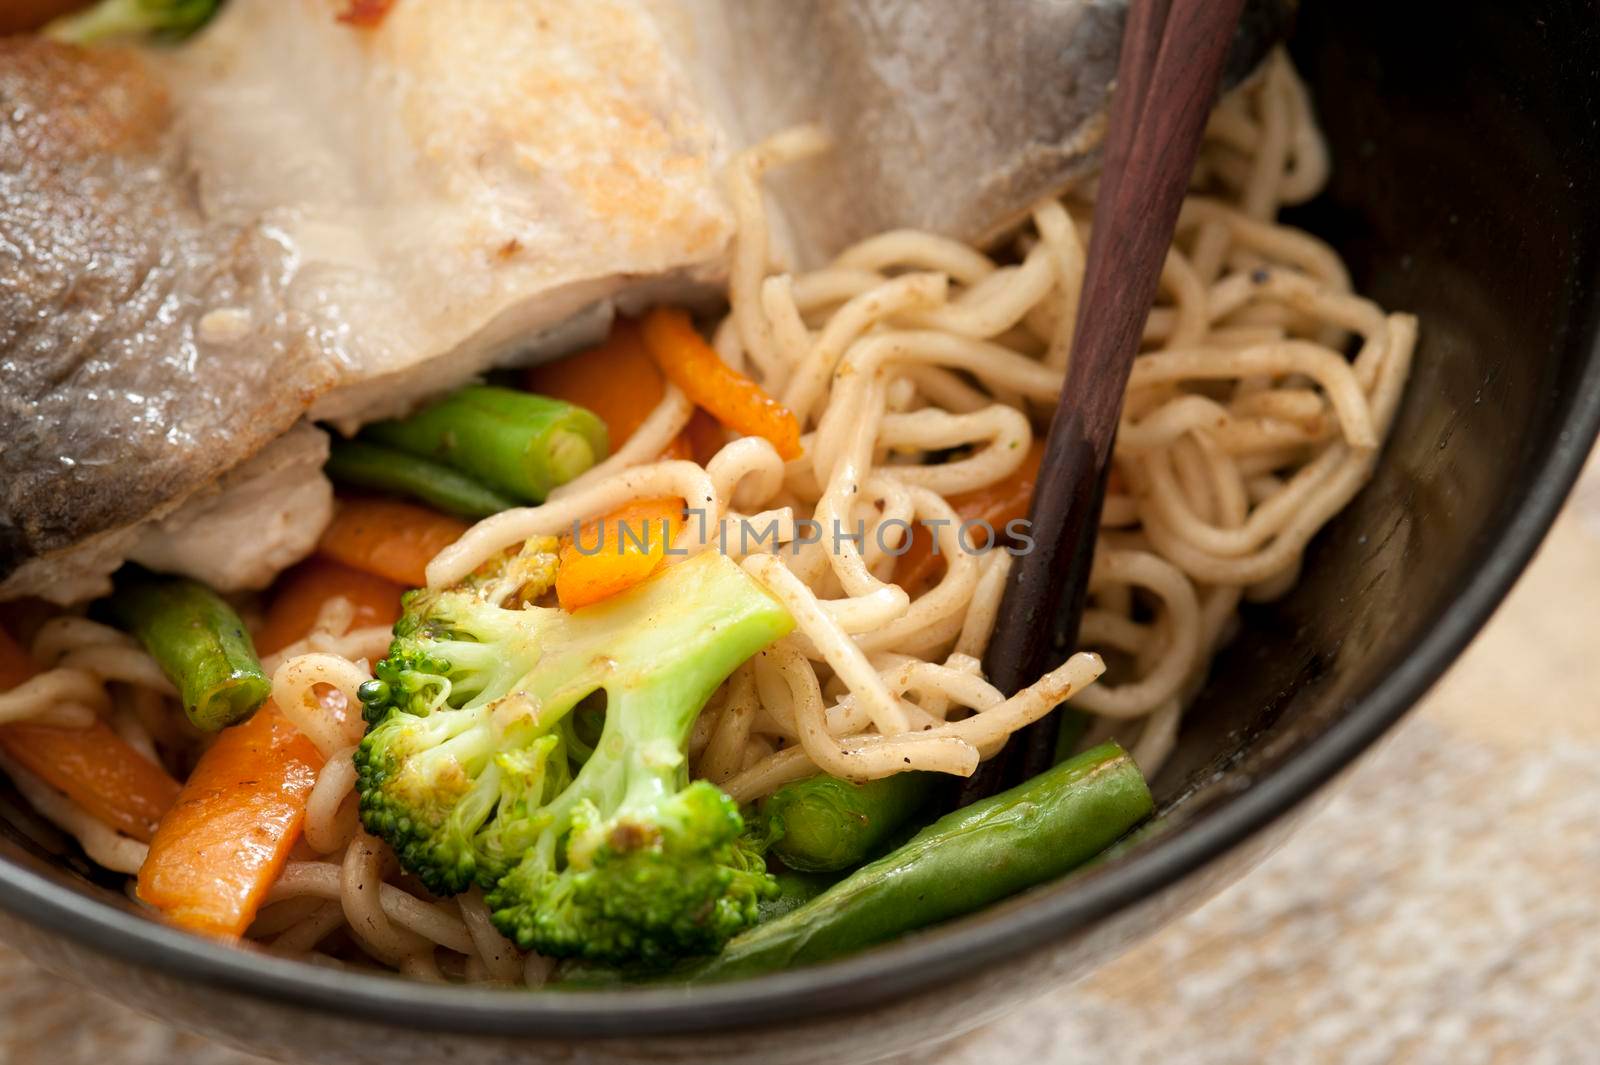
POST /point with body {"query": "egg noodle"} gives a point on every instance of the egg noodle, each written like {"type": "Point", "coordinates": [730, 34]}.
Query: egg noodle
{"type": "Point", "coordinates": [918, 368]}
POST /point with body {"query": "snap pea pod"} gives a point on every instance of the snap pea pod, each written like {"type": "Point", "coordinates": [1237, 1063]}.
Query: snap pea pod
{"type": "Point", "coordinates": [828, 824]}
{"type": "Point", "coordinates": [513, 442]}
{"type": "Point", "coordinates": [199, 643]}
{"type": "Point", "coordinates": [963, 861]}
{"type": "Point", "coordinates": [361, 464]}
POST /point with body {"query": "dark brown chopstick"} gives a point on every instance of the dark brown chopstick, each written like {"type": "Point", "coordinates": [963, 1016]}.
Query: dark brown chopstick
{"type": "Point", "coordinates": [1167, 79]}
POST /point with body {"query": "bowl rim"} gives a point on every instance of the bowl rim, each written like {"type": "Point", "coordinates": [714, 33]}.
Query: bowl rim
{"type": "Point", "coordinates": [883, 974]}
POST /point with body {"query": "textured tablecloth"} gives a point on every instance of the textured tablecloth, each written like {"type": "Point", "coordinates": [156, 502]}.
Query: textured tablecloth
{"type": "Point", "coordinates": [1443, 906]}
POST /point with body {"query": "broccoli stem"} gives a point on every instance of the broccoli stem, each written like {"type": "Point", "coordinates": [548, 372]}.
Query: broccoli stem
{"type": "Point", "coordinates": [634, 863]}
{"type": "Point", "coordinates": [364, 465]}
{"type": "Point", "coordinates": [513, 442]}
{"type": "Point", "coordinates": [965, 860]}
{"type": "Point", "coordinates": [199, 643]}
{"type": "Point", "coordinates": [830, 824]}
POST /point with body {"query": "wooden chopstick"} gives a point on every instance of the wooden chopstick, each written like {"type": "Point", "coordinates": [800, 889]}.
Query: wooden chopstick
{"type": "Point", "coordinates": [1168, 73]}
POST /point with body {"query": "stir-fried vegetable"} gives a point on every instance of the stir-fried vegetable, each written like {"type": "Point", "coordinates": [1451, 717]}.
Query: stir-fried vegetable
{"type": "Point", "coordinates": [199, 643]}
{"type": "Point", "coordinates": [473, 773]}
{"type": "Point", "coordinates": [728, 395]}
{"type": "Point", "coordinates": [360, 464]}
{"type": "Point", "coordinates": [111, 20]}
{"type": "Point", "coordinates": [617, 381]}
{"type": "Point", "coordinates": [388, 538]}
{"type": "Point", "coordinates": [823, 824]}
{"type": "Point", "coordinates": [621, 383]}
{"type": "Point", "coordinates": [996, 504]}
{"type": "Point", "coordinates": [963, 861]}
{"type": "Point", "coordinates": [94, 767]}
{"type": "Point", "coordinates": [218, 850]}
{"type": "Point", "coordinates": [240, 812]}
{"type": "Point", "coordinates": [702, 438]}
{"type": "Point", "coordinates": [98, 770]}
{"type": "Point", "coordinates": [613, 553]}
{"type": "Point", "coordinates": [301, 593]}
{"type": "Point", "coordinates": [519, 444]}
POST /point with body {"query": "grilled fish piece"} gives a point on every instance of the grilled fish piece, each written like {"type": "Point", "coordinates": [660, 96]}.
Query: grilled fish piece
{"type": "Point", "coordinates": [947, 115]}
{"type": "Point", "coordinates": [291, 217]}
{"type": "Point", "coordinates": [457, 178]}
{"type": "Point", "coordinates": [117, 399]}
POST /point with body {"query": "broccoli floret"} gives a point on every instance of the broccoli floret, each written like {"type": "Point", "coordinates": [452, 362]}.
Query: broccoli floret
{"type": "Point", "coordinates": [667, 873]}
{"type": "Point", "coordinates": [476, 768]}
{"type": "Point", "coordinates": [109, 20]}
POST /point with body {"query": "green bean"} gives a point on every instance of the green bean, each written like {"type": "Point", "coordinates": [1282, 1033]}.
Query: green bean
{"type": "Point", "coordinates": [385, 469]}
{"type": "Point", "coordinates": [1151, 829]}
{"type": "Point", "coordinates": [199, 643]}
{"type": "Point", "coordinates": [963, 861]}
{"type": "Point", "coordinates": [513, 442]}
{"type": "Point", "coordinates": [828, 824]}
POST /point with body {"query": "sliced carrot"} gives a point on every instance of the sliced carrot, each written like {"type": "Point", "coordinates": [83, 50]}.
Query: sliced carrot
{"type": "Point", "coordinates": [364, 14]}
{"type": "Point", "coordinates": [728, 395]}
{"type": "Point", "coordinates": [706, 437]}
{"type": "Point", "coordinates": [23, 618]}
{"type": "Point", "coordinates": [225, 840]}
{"type": "Point", "coordinates": [16, 665]}
{"type": "Point", "coordinates": [94, 767]}
{"type": "Point", "coordinates": [996, 504]}
{"type": "Point", "coordinates": [617, 551]}
{"type": "Point", "coordinates": [23, 16]}
{"type": "Point", "coordinates": [388, 538]}
{"type": "Point", "coordinates": [699, 441]}
{"type": "Point", "coordinates": [241, 811]}
{"type": "Point", "coordinates": [681, 447]}
{"type": "Point", "coordinates": [617, 381]}
{"type": "Point", "coordinates": [300, 593]}
{"type": "Point", "coordinates": [98, 770]}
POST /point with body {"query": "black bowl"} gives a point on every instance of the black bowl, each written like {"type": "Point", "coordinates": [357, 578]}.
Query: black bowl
{"type": "Point", "coordinates": [1467, 190]}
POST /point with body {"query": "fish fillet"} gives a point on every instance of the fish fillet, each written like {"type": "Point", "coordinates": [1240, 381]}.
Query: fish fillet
{"type": "Point", "coordinates": [293, 218]}
{"type": "Point", "coordinates": [290, 217]}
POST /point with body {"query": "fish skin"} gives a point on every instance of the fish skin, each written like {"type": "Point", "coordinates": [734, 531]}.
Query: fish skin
{"type": "Point", "coordinates": [198, 245]}
{"type": "Point", "coordinates": [119, 236]}
{"type": "Point", "coordinates": [113, 405]}
{"type": "Point", "coordinates": [945, 116]}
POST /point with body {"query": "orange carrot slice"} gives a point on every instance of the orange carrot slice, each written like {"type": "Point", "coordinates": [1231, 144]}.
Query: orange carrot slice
{"type": "Point", "coordinates": [729, 396]}
{"type": "Point", "coordinates": [705, 436]}
{"type": "Point", "coordinates": [98, 770]}
{"type": "Point", "coordinates": [215, 856]}
{"type": "Point", "coordinates": [699, 441]}
{"type": "Point", "coordinates": [388, 538]}
{"type": "Point", "coordinates": [16, 665]}
{"type": "Point", "coordinates": [223, 843]}
{"type": "Point", "coordinates": [613, 553]}
{"type": "Point", "coordinates": [94, 767]}
{"type": "Point", "coordinates": [997, 504]}
{"type": "Point", "coordinates": [681, 447]}
{"type": "Point", "coordinates": [617, 381]}
{"type": "Point", "coordinates": [302, 591]}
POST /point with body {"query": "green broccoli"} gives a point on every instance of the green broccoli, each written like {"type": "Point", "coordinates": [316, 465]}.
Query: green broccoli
{"type": "Point", "coordinates": [477, 767]}
{"type": "Point", "coordinates": [111, 20]}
